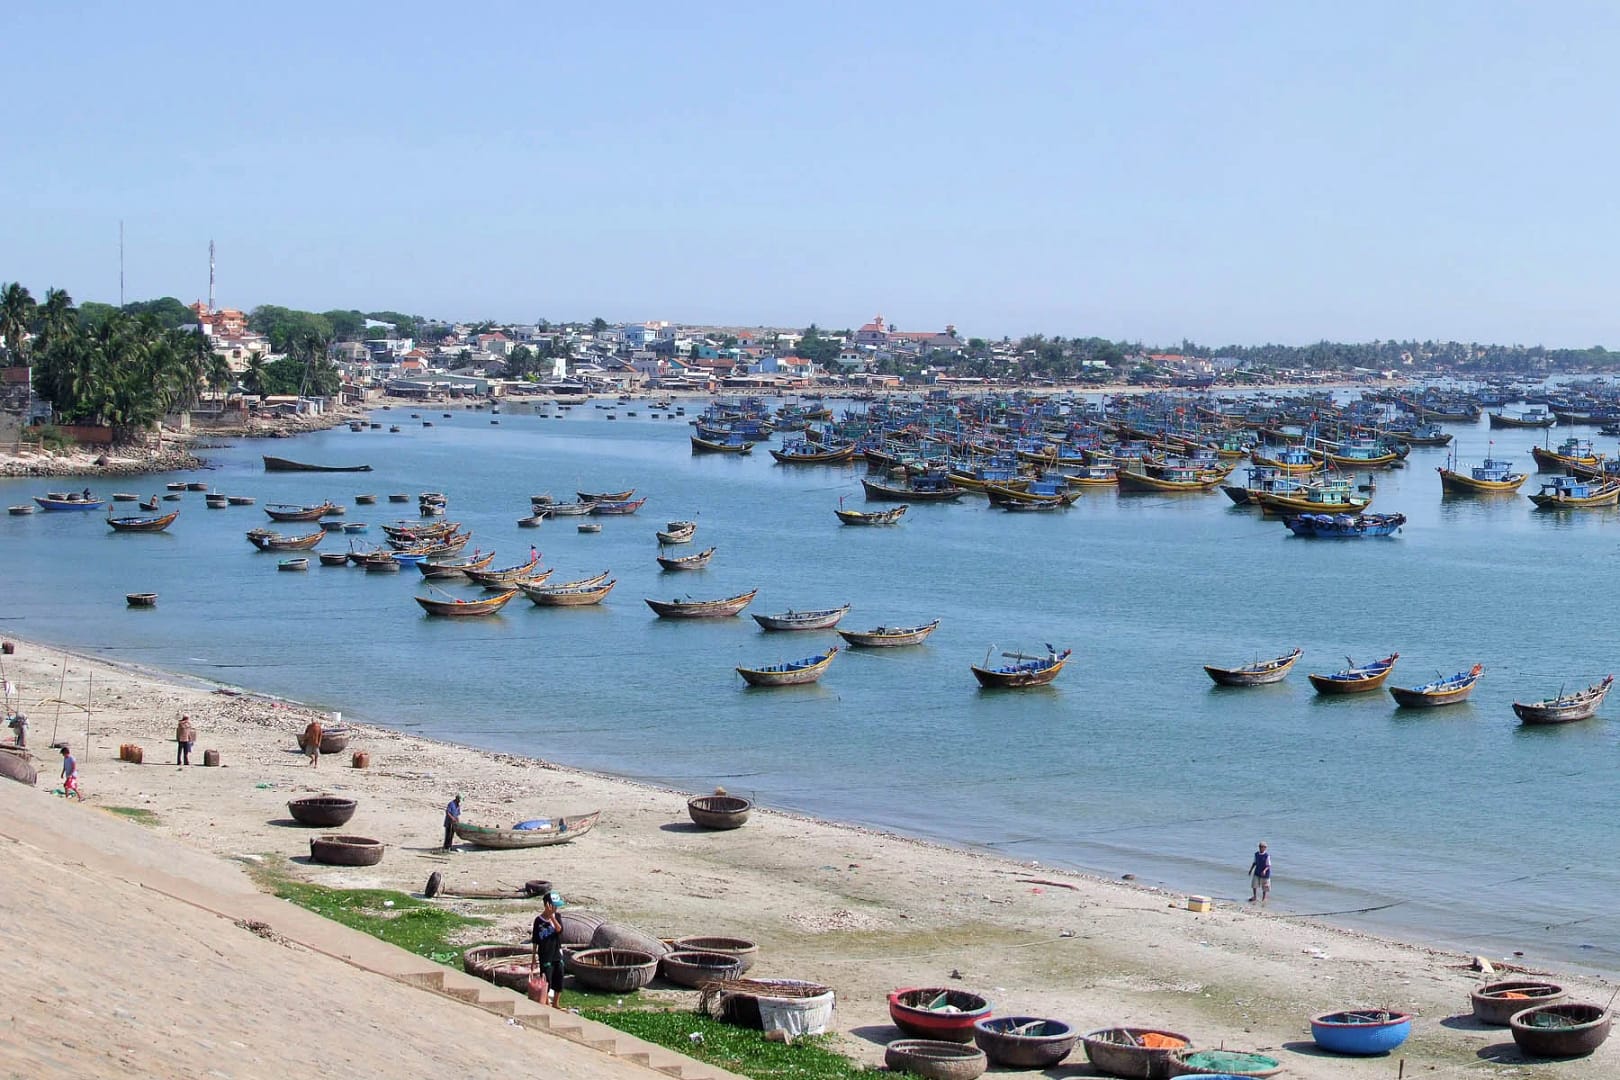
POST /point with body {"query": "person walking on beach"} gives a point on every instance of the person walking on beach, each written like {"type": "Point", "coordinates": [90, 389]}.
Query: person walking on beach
{"type": "Point", "coordinates": [452, 816]}
{"type": "Point", "coordinates": [547, 939]}
{"type": "Point", "coordinates": [19, 730]}
{"type": "Point", "coordinates": [312, 742]}
{"type": "Point", "coordinates": [184, 736]}
{"type": "Point", "coordinates": [70, 775]}
{"type": "Point", "coordinates": [1260, 876]}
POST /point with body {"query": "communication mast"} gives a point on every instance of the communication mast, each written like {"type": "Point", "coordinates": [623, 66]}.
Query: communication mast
{"type": "Point", "coordinates": [210, 275]}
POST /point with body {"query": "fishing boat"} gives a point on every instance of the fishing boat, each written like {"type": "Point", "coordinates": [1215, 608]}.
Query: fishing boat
{"type": "Point", "coordinates": [1170, 479]}
{"type": "Point", "coordinates": [1572, 451]}
{"type": "Point", "coordinates": [930, 486]}
{"type": "Point", "coordinates": [1447, 691]}
{"type": "Point", "coordinates": [488, 605]}
{"type": "Point", "coordinates": [677, 532]}
{"type": "Point", "coordinates": [55, 502]}
{"type": "Point", "coordinates": [354, 527]}
{"type": "Point", "coordinates": [439, 568]}
{"type": "Point", "coordinates": [333, 558]}
{"type": "Point", "coordinates": [532, 521]}
{"type": "Point", "coordinates": [1091, 476]}
{"type": "Point", "coordinates": [570, 509]}
{"type": "Point", "coordinates": [265, 540]}
{"type": "Point", "coordinates": [890, 516]}
{"type": "Point", "coordinates": [365, 500]}
{"type": "Point", "coordinates": [124, 496]}
{"type": "Point", "coordinates": [278, 464]}
{"type": "Point", "coordinates": [293, 564]}
{"type": "Point", "coordinates": [1026, 670]}
{"type": "Point", "coordinates": [196, 485]}
{"type": "Point", "coordinates": [399, 497]}
{"type": "Point", "coordinates": [1032, 494]}
{"type": "Point", "coordinates": [731, 443]}
{"type": "Point", "coordinates": [215, 501]}
{"type": "Point", "coordinates": [621, 506]}
{"type": "Point", "coordinates": [1537, 417]}
{"type": "Point", "coordinates": [589, 527]}
{"type": "Point", "coordinates": [1565, 708]}
{"type": "Point", "coordinates": [1355, 679]}
{"type": "Point", "coordinates": [1287, 458]}
{"type": "Point", "coordinates": [1344, 526]}
{"type": "Point", "coordinates": [23, 510]}
{"type": "Point", "coordinates": [1332, 497]}
{"type": "Point", "coordinates": [702, 609]}
{"type": "Point", "coordinates": [1493, 476]}
{"type": "Point", "coordinates": [805, 453]}
{"type": "Point", "coordinates": [142, 524]}
{"type": "Point", "coordinates": [888, 637]}
{"type": "Point", "coordinates": [292, 512]}
{"type": "Point", "coordinates": [176, 485]}
{"type": "Point", "coordinates": [376, 562]}
{"type": "Point", "coordinates": [687, 562]}
{"type": "Point", "coordinates": [824, 619]}
{"type": "Point", "coordinates": [790, 672]}
{"type": "Point", "coordinates": [605, 496]}
{"type": "Point", "coordinates": [147, 505]}
{"type": "Point", "coordinates": [239, 500]}
{"type": "Point", "coordinates": [1258, 673]}
{"type": "Point", "coordinates": [573, 594]}
{"type": "Point", "coordinates": [540, 832]}
{"type": "Point", "coordinates": [1574, 493]}
{"type": "Point", "coordinates": [1359, 453]}
{"type": "Point", "coordinates": [141, 599]}
{"type": "Point", "coordinates": [505, 576]}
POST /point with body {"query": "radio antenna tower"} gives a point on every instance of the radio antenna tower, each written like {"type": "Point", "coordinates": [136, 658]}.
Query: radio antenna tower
{"type": "Point", "coordinates": [120, 262]}
{"type": "Point", "coordinates": [210, 275]}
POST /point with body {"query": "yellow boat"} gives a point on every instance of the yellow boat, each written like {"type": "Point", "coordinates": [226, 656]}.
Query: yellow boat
{"type": "Point", "coordinates": [1171, 478]}
{"type": "Point", "coordinates": [1573, 493]}
{"type": "Point", "coordinates": [1334, 498]}
{"type": "Point", "coordinates": [1492, 477]}
{"type": "Point", "coordinates": [1570, 452]}
{"type": "Point", "coordinates": [1093, 476]}
{"type": "Point", "coordinates": [1288, 459]}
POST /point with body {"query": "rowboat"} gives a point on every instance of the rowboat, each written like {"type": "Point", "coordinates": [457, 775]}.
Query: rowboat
{"type": "Point", "coordinates": [124, 496]}
{"type": "Point", "coordinates": [23, 510]}
{"type": "Point", "coordinates": [875, 517]}
{"type": "Point", "coordinates": [702, 609]}
{"type": "Point", "coordinates": [1026, 670]}
{"type": "Point", "coordinates": [265, 540]}
{"type": "Point", "coordinates": [790, 672]}
{"type": "Point", "coordinates": [277, 464]}
{"type": "Point", "coordinates": [1258, 673]}
{"type": "Point", "coordinates": [142, 524]}
{"type": "Point", "coordinates": [575, 594]}
{"type": "Point", "coordinates": [687, 562]}
{"type": "Point", "coordinates": [1447, 691]}
{"type": "Point", "coordinates": [456, 608]}
{"type": "Point", "coordinates": [56, 502]}
{"type": "Point", "coordinates": [606, 496]}
{"type": "Point", "coordinates": [1344, 526]}
{"type": "Point", "coordinates": [148, 505]}
{"type": "Point", "coordinates": [1355, 679]}
{"type": "Point", "coordinates": [291, 512]}
{"type": "Point", "coordinates": [1493, 476]}
{"type": "Point", "coordinates": [884, 637]}
{"type": "Point", "coordinates": [824, 619]}
{"type": "Point", "coordinates": [731, 444]}
{"type": "Point", "coordinates": [1581, 705]}
{"type": "Point", "coordinates": [434, 568]}
{"type": "Point", "coordinates": [1573, 493]}
{"type": "Point", "coordinates": [504, 576]}
{"type": "Point", "coordinates": [677, 532]}
{"type": "Point", "coordinates": [622, 506]}
{"type": "Point", "coordinates": [541, 832]}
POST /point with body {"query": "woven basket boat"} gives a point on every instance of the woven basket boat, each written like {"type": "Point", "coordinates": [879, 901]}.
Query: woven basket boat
{"type": "Point", "coordinates": [746, 952]}
{"type": "Point", "coordinates": [346, 850]}
{"type": "Point", "coordinates": [935, 1059]}
{"type": "Point", "coordinates": [322, 811]}
{"type": "Point", "coordinates": [1024, 1042]}
{"type": "Point", "coordinates": [1120, 1051]}
{"type": "Point", "coordinates": [1571, 1029]}
{"type": "Point", "coordinates": [697, 968]}
{"type": "Point", "coordinates": [480, 958]}
{"type": "Point", "coordinates": [1218, 1063]}
{"type": "Point", "coordinates": [937, 1012]}
{"type": "Point", "coordinates": [718, 811]}
{"type": "Point", "coordinates": [738, 1001]}
{"type": "Point", "coordinates": [1496, 1003]}
{"type": "Point", "coordinates": [614, 971]}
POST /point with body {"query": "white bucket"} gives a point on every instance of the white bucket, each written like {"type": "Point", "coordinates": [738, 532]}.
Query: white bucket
{"type": "Point", "coordinates": [335, 718]}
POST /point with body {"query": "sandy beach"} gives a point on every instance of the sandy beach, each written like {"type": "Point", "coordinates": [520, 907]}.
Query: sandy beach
{"type": "Point", "coordinates": [858, 910]}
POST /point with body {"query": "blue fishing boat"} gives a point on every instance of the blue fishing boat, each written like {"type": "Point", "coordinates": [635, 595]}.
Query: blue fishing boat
{"type": "Point", "coordinates": [1447, 691]}
{"type": "Point", "coordinates": [55, 501]}
{"type": "Point", "coordinates": [1344, 526]}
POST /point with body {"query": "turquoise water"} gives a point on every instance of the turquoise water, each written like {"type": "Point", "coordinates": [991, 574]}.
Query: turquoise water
{"type": "Point", "coordinates": [1457, 825]}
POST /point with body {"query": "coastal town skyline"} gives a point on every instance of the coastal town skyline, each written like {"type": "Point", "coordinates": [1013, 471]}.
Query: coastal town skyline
{"type": "Point", "coordinates": [1145, 172]}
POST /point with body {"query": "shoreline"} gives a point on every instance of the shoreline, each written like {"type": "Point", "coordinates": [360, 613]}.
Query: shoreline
{"type": "Point", "coordinates": [858, 908]}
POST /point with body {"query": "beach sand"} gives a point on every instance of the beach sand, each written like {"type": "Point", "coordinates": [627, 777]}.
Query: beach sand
{"type": "Point", "coordinates": [855, 909]}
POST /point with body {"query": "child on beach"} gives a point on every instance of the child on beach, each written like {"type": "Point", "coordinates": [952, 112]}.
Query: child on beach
{"type": "Point", "coordinates": [19, 729]}
{"type": "Point", "coordinates": [70, 775]}
{"type": "Point", "coordinates": [1260, 876]}
{"type": "Point", "coordinates": [312, 742]}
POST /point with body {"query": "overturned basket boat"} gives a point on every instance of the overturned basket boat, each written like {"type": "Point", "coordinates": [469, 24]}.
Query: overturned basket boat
{"type": "Point", "coordinates": [1571, 1029]}
{"type": "Point", "coordinates": [614, 971]}
{"type": "Point", "coordinates": [744, 950]}
{"type": "Point", "coordinates": [698, 968]}
{"type": "Point", "coordinates": [935, 1060]}
{"type": "Point", "coordinates": [1496, 1003]}
{"type": "Point", "coordinates": [322, 811]}
{"type": "Point", "coordinates": [718, 811]}
{"type": "Point", "coordinates": [15, 765]}
{"type": "Point", "coordinates": [1143, 1053]}
{"type": "Point", "coordinates": [1024, 1042]}
{"type": "Point", "coordinates": [346, 850]}
{"type": "Point", "coordinates": [937, 1012]}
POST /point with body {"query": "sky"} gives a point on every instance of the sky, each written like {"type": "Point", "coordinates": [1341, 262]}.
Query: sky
{"type": "Point", "coordinates": [1230, 173]}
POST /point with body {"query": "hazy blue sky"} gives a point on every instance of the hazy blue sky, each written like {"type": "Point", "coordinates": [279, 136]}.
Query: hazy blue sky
{"type": "Point", "coordinates": [1226, 172]}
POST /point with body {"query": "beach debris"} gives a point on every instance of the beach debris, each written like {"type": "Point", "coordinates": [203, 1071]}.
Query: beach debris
{"type": "Point", "coordinates": [1483, 966]}
{"type": "Point", "coordinates": [955, 974]}
{"type": "Point", "coordinates": [1046, 881]}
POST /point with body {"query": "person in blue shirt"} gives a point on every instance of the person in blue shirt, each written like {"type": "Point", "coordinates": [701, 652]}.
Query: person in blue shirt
{"type": "Point", "coordinates": [452, 815]}
{"type": "Point", "coordinates": [70, 775]}
{"type": "Point", "coordinates": [1260, 875]}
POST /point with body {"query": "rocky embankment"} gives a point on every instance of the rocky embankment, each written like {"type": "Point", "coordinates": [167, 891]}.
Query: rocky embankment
{"type": "Point", "coordinates": [113, 461]}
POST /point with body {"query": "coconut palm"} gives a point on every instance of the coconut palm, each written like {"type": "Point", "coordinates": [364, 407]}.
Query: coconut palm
{"type": "Point", "coordinates": [17, 308]}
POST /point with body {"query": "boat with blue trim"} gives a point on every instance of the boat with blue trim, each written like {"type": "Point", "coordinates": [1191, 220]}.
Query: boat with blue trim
{"type": "Point", "coordinates": [1450, 690]}
{"type": "Point", "coordinates": [1344, 526]}
{"type": "Point", "coordinates": [1355, 679]}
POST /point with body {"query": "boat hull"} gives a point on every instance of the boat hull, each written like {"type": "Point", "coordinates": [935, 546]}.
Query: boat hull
{"type": "Point", "coordinates": [1255, 674]}
{"type": "Point", "coordinates": [1462, 483]}
{"type": "Point", "coordinates": [795, 673]}
{"type": "Point", "coordinates": [1354, 680]}
{"type": "Point", "coordinates": [562, 831]}
{"type": "Point", "coordinates": [803, 620]}
{"type": "Point", "coordinates": [277, 464]}
{"type": "Point", "coordinates": [702, 609]}
{"type": "Point", "coordinates": [885, 638]}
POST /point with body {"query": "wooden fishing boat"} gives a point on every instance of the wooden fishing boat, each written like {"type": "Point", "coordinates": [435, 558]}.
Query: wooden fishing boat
{"type": "Point", "coordinates": [124, 496]}
{"type": "Point", "coordinates": [584, 594]}
{"type": "Point", "coordinates": [1361, 1032]}
{"type": "Point", "coordinates": [1258, 673]}
{"type": "Point", "coordinates": [1033, 494]}
{"type": "Point", "coordinates": [532, 521]}
{"type": "Point", "coordinates": [805, 454]}
{"type": "Point", "coordinates": [23, 510]}
{"type": "Point", "coordinates": [1358, 454]}
{"type": "Point", "coordinates": [505, 576]}
{"type": "Point", "coordinates": [606, 496]}
{"type": "Point", "coordinates": [176, 485]}
{"type": "Point", "coordinates": [1169, 480]}
{"type": "Point", "coordinates": [589, 527]}
{"type": "Point", "coordinates": [1571, 451]}
{"type": "Point", "coordinates": [196, 485]}
{"type": "Point", "coordinates": [677, 532]}
{"type": "Point", "coordinates": [291, 512]}
{"type": "Point", "coordinates": [1133, 1051]}
{"type": "Point", "coordinates": [1344, 526]}
{"type": "Point", "coordinates": [1565, 708]}
{"type": "Point", "coordinates": [790, 672]}
{"type": "Point", "coordinates": [924, 487]}
{"type": "Point", "coordinates": [239, 500]}
{"type": "Point", "coordinates": [1573, 493]}
{"type": "Point", "coordinates": [1447, 691]}
{"type": "Point", "coordinates": [488, 605]}
{"type": "Point", "coordinates": [333, 558]}
{"type": "Point", "coordinates": [354, 527]}
{"type": "Point", "coordinates": [55, 502]}
{"type": "Point", "coordinates": [141, 599]}
{"type": "Point", "coordinates": [322, 811]}
{"type": "Point", "coordinates": [1537, 417]}
{"type": "Point", "coordinates": [543, 832]}
{"type": "Point", "coordinates": [265, 540]}
{"type": "Point", "coordinates": [399, 497]}
{"type": "Point", "coordinates": [173, 497]}
{"type": "Point", "coordinates": [1026, 670]}
{"type": "Point", "coordinates": [1493, 476]}
{"type": "Point", "coordinates": [142, 524]}
{"type": "Point", "coordinates": [890, 516]}
{"type": "Point", "coordinates": [1285, 459]}
{"type": "Point", "coordinates": [702, 609]}
{"type": "Point", "coordinates": [1334, 498]}
{"type": "Point", "coordinates": [570, 509]}
{"type": "Point", "coordinates": [377, 562]}
{"type": "Point", "coordinates": [1024, 1042]}
{"type": "Point", "coordinates": [622, 506]}
{"type": "Point", "coordinates": [1355, 679]}
{"type": "Point", "coordinates": [1495, 1003]}
{"type": "Point", "coordinates": [1092, 476]}
{"type": "Point", "coordinates": [365, 500]}
{"type": "Point", "coordinates": [293, 564]}
{"type": "Point", "coordinates": [278, 464]}
{"type": "Point", "coordinates": [687, 562]}
{"type": "Point", "coordinates": [730, 444]}
{"type": "Point", "coordinates": [824, 619]}
{"type": "Point", "coordinates": [888, 637]}
{"type": "Point", "coordinates": [434, 568]}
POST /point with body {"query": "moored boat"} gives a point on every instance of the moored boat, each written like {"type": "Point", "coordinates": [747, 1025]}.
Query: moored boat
{"type": "Point", "coordinates": [333, 558]}
{"type": "Point", "coordinates": [293, 512]}
{"type": "Point", "coordinates": [142, 524]}
{"type": "Point", "coordinates": [930, 486]}
{"type": "Point", "coordinates": [141, 599]}
{"type": "Point", "coordinates": [538, 832]}
{"type": "Point", "coordinates": [572, 594]}
{"type": "Point", "coordinates": [438, 568]}
{"type": "Point", "coordinates": [505, 576]}
{"type": "Point", "coordinates": [1493, 476]}
{"type": "Point", "coordinates": [1026, 670]}
{"type": "Point", "coordinates": [1344, 526]}
{"type": "Point", "coordinates": [885, 637]}
{"type": "Point", "coordinates": [606, 496]}
{"type": "Point", "coordinates": [1257, 673]}
{"type": "Point", "coordinates": [1565, 708]}
{"type": "Point", "coordinates": [687, 562]}
{"type": "Point", "coordinates": [1447, 691]}
{"type": "Point", "coordinates": [619, 506]}
{"type": "Point", "coordinates": [790, 672]}
{"type": "Point", "coordinates": [823, 619]}
{"type": "Point", "coordinates": [1355, 679]}
{"type": "Point", "coordinates": [677, 532]}
{"type": "Point", "coordinates": [293, 564]}
{"type": "Point", "coordinates": [265, 540]}
{"type": "Point", "coordinates": [876, 517]}
{"type": "Point", "coordinates": [732, 443]}
{"type": "Point", "coordinates": [60, 501]}
{"type": "Point", "coordinates": [1574, 493]}
{"type": "Point", "coordinates": [1537, 417]}
{"type": "Point", "coordinates": [459, 608]}
{"type": "Point", "coordinates": [702, 609]}
{"type": "Point", "coordinates": [278, 464]}
{"type": "Point", "coordinates": [1572, 451]}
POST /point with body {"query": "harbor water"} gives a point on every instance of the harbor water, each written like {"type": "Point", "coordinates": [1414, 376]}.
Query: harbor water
{"type": "Point", "coordinates": [1454, 826]}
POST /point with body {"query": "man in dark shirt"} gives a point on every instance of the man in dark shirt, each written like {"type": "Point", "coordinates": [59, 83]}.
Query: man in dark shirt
{"type": "Point", "coordinates": [1260, 875]}
{"type": "Point", "coordinates": [547, 939]}
{"type": "Point", "coordinates": [452, 815]}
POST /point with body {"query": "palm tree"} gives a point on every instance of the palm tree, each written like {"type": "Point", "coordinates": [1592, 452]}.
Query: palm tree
{"type": "Point", "coordinates": [57, 316]}
{"type": "Point", "coordinates": [253, 378]}
{"type": "Point", "coordinates": [16, 313]}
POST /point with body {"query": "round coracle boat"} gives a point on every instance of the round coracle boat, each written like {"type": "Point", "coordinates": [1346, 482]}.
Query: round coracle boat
{"type": "Point", "coordinates": [744, 950]}
{"type": "Point", "coordinates": [718, 811]}
{"type": "Point", "coordinates": [1215, 1064]}
{"type": "Point", "coordinates": [935, 1059]}
{"type": "Point", "coordinates": [690, 968]}
{"type": "Point", "coordinates": [512, 972]}
{"type": "Point", "coordinates": [1571, 1029]}
{"type": "Point", "coordinates": [346, 850]}
{"type": "Point", "coordinates": [1497, 1002]}
{"type": "Point", "coordinates": [1024, 1042]}
{"type": "Point", "coordinates": [937, 1012]}
{"type": "Point", "coordinates": [480, 958]}
{"type": "Point", "coordinates": [334, 740]}
{"type": "Point", "coordinates": [1143, 1053]}
{"type": "Point", "coordinates": [1361, 1032]}
{"type": "Point", "coordinates": [579, 926]}
{"type": "Point", "coordinates": [614, 971]}
{"type": "Point", "coordinates": [322, 811]}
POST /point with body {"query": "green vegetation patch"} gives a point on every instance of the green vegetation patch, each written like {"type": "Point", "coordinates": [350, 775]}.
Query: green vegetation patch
{"type": "Point", "coordinates": [738, 1050]}
{"type": "Point", "coordinates": [397, 918]}
{"type": "Point", "coordinates": [134, 813]}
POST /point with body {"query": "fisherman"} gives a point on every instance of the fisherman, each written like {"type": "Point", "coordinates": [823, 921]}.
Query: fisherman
{"type": "Point", "coordinates": [547, 940]}
{"type": "Point", "coordinates": [70, 775]}
{"type": "Point", "coordinates": [452, 817]}
{"type": "Point", "coordinates": [19, 729]}
{"type": "Point", "coordinates": [1260, 876]}
{"type": "Point", "coordinates": [184, 736]}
